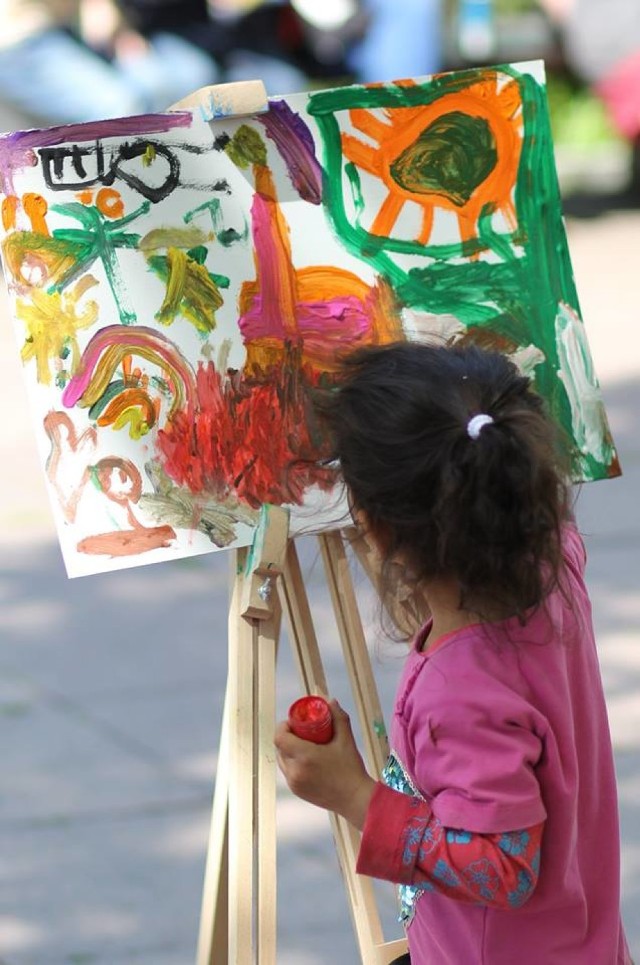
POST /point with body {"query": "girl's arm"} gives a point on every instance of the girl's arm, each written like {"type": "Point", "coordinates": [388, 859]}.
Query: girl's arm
{"type": "Point", "coordinates": [402, 840]}
{"type": "Point", "coordinates": [331, 776]}
{"type": "Point", "coordinates": [405, 843]}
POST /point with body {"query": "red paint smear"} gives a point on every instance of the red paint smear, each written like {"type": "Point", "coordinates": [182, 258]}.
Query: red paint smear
{"type": "Point", "coordinates": [248, 438]}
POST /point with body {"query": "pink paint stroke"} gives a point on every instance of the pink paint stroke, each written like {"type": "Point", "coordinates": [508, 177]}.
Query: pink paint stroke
{"type": "Point", "coordinates": [138, 336]}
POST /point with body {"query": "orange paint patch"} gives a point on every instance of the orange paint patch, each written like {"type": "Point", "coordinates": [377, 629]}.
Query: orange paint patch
{"type": "Point", "coordinates": [36, 209]}
{"type": "Point", "coordinates": [129, 399]}
{"type": "Point", "coordinates": [110, 203]}
{"type": "Point", "coordinates": [318, 284]}
{"type": "Point", "coordinates": [9, 209]}
{"type": "Point", "coordinates": [127, 542]}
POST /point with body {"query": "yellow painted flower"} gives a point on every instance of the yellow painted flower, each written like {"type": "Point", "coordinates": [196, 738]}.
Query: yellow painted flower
{"type": "Point", "coordinates": [52, 321]}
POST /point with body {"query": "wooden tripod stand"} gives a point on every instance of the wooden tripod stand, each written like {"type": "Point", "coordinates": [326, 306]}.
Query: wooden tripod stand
{"type": "Point", "coordinates": [238, 918]}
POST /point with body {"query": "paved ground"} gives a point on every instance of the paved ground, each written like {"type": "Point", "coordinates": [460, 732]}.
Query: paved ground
{"type": "Point", "coordinates": [111, 691]}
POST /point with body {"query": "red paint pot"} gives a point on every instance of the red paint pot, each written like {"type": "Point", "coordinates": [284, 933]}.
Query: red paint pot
{"type": "Point", "coordinates": [310, 719]}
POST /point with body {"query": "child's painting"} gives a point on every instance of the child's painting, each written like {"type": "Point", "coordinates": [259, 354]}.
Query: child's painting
{"type": "Point", "coordinates": [179, 288]}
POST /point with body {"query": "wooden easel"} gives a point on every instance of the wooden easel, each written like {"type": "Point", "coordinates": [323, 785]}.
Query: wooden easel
{"type": "Point", "coordinates": [238, 919]}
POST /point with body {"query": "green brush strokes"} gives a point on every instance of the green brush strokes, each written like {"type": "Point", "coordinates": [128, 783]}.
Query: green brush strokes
{"type": "Point", "coordinates": [200, 255]}
{"type": "Point", "coordinates": [225, 235]}
{"type": "Point", "coordinates": [229, 236]}
{"type": "Point", "coordinates": [112, 390]}
{"type": "Point", "coordinates": [179, 508]}
{"type": "Point", "coordinates": [353, 175]}
{"type": "Point", "coordinates": [98, 238]}
{"type": "Point", "coordinates": [517, 289]}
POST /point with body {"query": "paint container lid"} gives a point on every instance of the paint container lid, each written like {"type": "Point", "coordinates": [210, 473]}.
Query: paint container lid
{"type": "Point", "coordinates": [310, 718]}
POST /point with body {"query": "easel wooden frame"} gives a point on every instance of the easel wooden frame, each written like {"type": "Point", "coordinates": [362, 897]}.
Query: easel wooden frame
{"type": "Point", "coordinates": [238, 917]}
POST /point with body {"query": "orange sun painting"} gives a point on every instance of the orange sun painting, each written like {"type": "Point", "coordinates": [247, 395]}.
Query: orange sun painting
{"type": "Point", "coordinates": [459, 153]}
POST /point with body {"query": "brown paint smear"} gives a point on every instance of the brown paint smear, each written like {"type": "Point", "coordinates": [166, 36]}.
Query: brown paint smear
{"type": "Point", "coordinates": [121, 482]}
{"type": "Point", "coordinates": [127, 542]}
{"type": "Point", "coordinates": [65, 440]}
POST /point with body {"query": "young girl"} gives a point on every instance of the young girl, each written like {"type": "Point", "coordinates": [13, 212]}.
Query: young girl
{"type": "Point", "coordinates": [497, 812]}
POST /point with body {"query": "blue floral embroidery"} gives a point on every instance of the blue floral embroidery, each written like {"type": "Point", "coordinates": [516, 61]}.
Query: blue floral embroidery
{"type": "Point", "coordinates": [458, 837]}
{"type": "Point", "coordinates": [413, 838]}
{"type": "Point", "coordinates": [431, 838]}
{"type": "Point", "coordinates": [482, 878]}
{"type": "Point", "coordinates": [535, 863]}
{"type": "Point", "coordinates": [445, 874]}
{"type": "Point", "coordinates": [522, 890]}
{"type": "Point", "coordinates": [515, 842]}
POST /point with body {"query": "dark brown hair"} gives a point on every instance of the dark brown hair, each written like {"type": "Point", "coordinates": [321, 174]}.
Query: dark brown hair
{"type": "Point", "coordinates": [486, 511]}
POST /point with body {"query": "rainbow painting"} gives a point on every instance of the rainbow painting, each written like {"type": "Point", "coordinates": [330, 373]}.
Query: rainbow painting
{"type": "Point", "coordinates": [180, 289]}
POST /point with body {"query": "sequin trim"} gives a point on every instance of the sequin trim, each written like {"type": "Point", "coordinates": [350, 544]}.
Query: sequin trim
{"type": "Point", "coordinates": [395, 776]}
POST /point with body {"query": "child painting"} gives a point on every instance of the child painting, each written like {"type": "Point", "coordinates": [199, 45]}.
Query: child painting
{"type": "Point", "coordinates": [497, 811]}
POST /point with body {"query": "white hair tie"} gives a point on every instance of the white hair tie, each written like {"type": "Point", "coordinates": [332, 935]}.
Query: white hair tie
{"type": "Point", "coordinates": [477, 423]}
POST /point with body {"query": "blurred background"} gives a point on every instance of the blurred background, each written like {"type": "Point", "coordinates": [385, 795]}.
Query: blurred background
{"type": "Point", "coordinates": [63, 61]}
{"type": "Point", "coordinates": [111, 686]}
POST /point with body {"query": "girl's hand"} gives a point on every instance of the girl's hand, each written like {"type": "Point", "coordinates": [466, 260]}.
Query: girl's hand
{"type": "Point", "coordinates": [331, 776]}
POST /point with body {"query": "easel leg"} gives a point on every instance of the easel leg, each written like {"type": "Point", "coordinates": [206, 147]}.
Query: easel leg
{"type": "Point", "coordinates": [266, 635]}
{"type": "Point", "coordinates": [241, 783]}
{"type": "Point", "coordinates": [354, 647]}
{"type": "Point", "coordinates": [373, 949]}
{"type": "Point", "coordinates": [302, 631]}
{"type": "Point", "coordinates": [252, 787]}
{"type": "Point", "coordinates": [238, 924]}
{"type": "Point", "coordinates": [360, 893]}
{"type": "Point", "coordinates": [213, 934]}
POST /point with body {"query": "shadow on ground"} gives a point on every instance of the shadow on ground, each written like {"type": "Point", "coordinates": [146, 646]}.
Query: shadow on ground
{"type": "Point", "coordinates": [111, 695]}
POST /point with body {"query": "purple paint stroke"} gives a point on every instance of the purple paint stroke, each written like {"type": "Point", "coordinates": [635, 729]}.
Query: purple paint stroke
{"type": "Point", "coordinates": [17, 149]}
{"type": "Point", "coordinates": [295, 145]}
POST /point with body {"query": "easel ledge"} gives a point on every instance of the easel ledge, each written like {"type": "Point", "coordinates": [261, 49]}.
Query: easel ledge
{"type": "Point", "coordinates": [212, 103]}
{"type": "Point", "coordinates": [238, 918]}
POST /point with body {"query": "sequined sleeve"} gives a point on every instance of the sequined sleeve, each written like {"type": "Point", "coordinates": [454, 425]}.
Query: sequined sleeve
{"type": "Point", "coordinates": [404, 842]}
